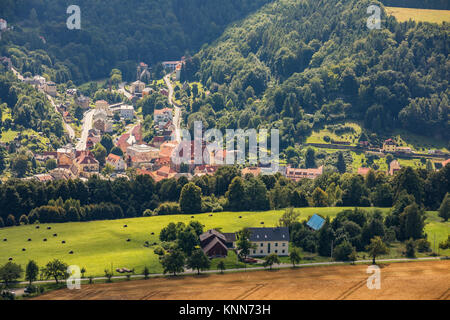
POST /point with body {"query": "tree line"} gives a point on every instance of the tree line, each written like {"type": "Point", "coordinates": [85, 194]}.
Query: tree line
{"type": "Point", "coordinates": [25, 201]}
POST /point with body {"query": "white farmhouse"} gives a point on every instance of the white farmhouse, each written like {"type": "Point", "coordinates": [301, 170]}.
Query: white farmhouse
{"type": "Point", "coordinates": [268, 241]}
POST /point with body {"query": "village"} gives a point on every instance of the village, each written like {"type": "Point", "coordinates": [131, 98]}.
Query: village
{"type": "Point", "coordinates": [134, 156]}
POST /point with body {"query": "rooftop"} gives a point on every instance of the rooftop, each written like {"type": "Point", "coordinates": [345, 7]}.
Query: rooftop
{"type": "Point", "coordinates": [269, 234]}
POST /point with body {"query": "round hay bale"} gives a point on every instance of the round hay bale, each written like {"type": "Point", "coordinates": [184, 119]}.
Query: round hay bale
{"type": "Point", "coordinates": [29, 240]}
{"type": "Point", "coordinates": [63, 242]}
{"type": "Point", "coordinates": [210, 215]}
{"type": "Point", "coordinates": [262, 222]}
{"type": "Point", "coordinates": [55, 235]}
{"type": "Point", "coordinates": [45, 240]}
{"type": "Point", "coordinates": [192, 217]}
{"type": "Point", "coordinates": [5, 240]}
{"type": "Point", "coordinates": [24, 249]}
{"type": "Point", "coordinates": [49, 228]}
{"type": "Point", "coordinates": [153, 233]}
{"type": "Point", "coordinates": [10, 259]}
{"type": "Point", "coordinates": [240, 217]}
{"type": "Point", "coordinates": [125, 226]}
{"type": "Point", "coordinates": [128, 240]}
{"type": "Point", "coordinates": [37, 227]}
{"type": "Point", "coordinates": [71, 252]}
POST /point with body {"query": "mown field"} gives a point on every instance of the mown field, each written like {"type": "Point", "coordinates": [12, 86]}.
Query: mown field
{"type": "Point", "coordinates": [103, 244]}
{"type": "Point", "coordinates": [424, 15]}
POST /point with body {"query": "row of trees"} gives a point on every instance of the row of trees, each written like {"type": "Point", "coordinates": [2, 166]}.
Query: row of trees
{"type": "Point", "coordinates": [74, 200]}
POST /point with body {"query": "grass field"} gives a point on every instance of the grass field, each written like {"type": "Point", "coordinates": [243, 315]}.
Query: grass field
{"type": "Point", "coordinates": [424, 15]}
{"type": "Point", "coordinates": [102, 244]}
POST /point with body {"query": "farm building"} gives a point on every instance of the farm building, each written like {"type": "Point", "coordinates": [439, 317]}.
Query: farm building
{"type": "Point", "coordinates": [269, 240]}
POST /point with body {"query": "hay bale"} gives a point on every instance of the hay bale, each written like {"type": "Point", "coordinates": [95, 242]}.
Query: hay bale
{"type": "Point", "coordinates": [10, 259]}
{"type": "Point", "coordinates": [29, 240]}
{"type": "Point", "coordinates": [125, 226]}
{"type": "Point", "coordinates": [24, 249]}
{"type": "Point", "coordinates": [63, 242]}
{"type": "Point", "coordinates": [71, 252]}
{"type": "Point", "coordinates": [128, 240]}
{"type": "Point", "coordinates": [5, 240]}
{"type": "Point", "coordinates": [55, 235]}
{"type": "Point", "coordinates": [37, 227]}
{"type": "Point", "coordinates": [45, 240]}
{"type": "Point", "coordinates": [49, 228]}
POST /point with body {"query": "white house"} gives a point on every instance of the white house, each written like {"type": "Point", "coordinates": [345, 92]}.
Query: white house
{"type": "Point", "coordinates": [163, 116]}
{"type": "Point", "coordinates": [268, 241]}
{"type": "Point", "coordinates": [3, 25]}
{"type": "Point", "coordinates": [50, 88]}
{"type": "Point", "coordinates": [117, 162]}
{"type": "Point", "coordinates": [126, 112]}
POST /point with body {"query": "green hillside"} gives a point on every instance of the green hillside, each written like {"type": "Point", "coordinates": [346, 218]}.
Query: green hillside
{"type": "Point", "coordinates": [299, 65]}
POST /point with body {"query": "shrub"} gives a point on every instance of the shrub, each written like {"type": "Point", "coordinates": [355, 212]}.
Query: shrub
{"type": "Point", "coordinates": [23, 220]}
{"type": "Point", "coordinates": [423, 245]}
{"type": "Point", "coordinates": [168, 208]}
{"type": "Point", "coordinates": [10, 221]}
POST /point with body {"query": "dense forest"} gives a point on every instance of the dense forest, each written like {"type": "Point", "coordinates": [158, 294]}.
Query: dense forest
{"type": "Point", "coordinates": [296, 65]}
{"type": "Point", "coordinates": [24, 201]}
{"type": "Point", "coordinates": [422, 4]}
{"type": "Point", "coordinates": [22, 107]}
{"type": "Point", "coordinates": [117, 33]}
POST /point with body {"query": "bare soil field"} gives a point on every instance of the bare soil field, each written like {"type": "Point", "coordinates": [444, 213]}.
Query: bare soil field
{"type": "Point", "coordinates": [399, 281]}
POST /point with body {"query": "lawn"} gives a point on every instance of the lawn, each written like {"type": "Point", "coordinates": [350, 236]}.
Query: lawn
{"type": "Point", "coordinates": [352, 138]}
{"type": "Point", "coordinates": [99, 244]}
{"type": "Point", "coordinates": [103, 244]}
{"type": "Point", "coordinates": [424, 15]}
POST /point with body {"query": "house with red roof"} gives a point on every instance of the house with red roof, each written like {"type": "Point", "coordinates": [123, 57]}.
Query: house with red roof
{"type": "Point", "coordinates": [117, 162]}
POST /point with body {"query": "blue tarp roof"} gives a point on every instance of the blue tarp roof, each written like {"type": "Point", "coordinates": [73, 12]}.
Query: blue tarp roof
{"type": "Point", "coordinates": [316, 222]}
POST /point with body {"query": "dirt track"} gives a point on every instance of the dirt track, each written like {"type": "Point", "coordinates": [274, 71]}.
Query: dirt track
{"type": "Point", "coordinates": [399, 281]}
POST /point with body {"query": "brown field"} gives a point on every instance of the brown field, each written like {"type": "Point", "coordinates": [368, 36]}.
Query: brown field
{"type": "Point", "coordinates": [424, 15]}
{"type": "Point", "coordinates": [399, 281]}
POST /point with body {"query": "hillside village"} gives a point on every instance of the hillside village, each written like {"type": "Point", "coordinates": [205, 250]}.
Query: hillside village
{"type": "Point", "coordinates": [155, 158]}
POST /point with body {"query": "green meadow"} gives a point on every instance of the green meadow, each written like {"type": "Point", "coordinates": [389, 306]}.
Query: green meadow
{"type": "Point", "coordinates": [101, 245]}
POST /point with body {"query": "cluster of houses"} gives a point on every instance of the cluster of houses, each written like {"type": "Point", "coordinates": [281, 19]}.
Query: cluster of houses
{"type": "Point", "coordinates": [41, 83]}
{"type": "Point", "coordinates": [175, 66]}
{"type": "Point", "coordinates": [71, 164]}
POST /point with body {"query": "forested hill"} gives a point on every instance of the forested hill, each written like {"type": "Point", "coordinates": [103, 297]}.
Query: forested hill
{"type": "Point", "coordinates": [299, 64]}
{"type": "Point", "coordinates": [118, 33]}
{"type": "Point", "coordinates": [421, 4]}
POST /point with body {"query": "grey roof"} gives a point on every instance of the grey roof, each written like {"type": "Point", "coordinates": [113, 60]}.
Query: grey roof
{"type": "Point", "coordinates": [212, 244]}
{"type": "Point", "coordinates": [231, 237]}
{"type": "Point", "coordinates": [212, 233]}
{"type": "Point", "coordinates": [269, 234]}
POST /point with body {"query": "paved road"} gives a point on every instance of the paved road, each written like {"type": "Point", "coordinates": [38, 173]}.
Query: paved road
{"type": "Point", "coordinates": [67, 127]}
{"type": "Point", "coordinates": [124, 91]}
{"type": "Point", "coordinates": [177, 116]}
{"type": "Point", "coordinates": [87, 125]}
{"type": "Point", "coordinates": [279, 266]}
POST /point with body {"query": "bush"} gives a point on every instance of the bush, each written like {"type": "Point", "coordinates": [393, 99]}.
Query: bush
{"type": "Point", "coordinates": [10, 221]}
{"type": "Point", "coordinates": [23, 220]}
{"type": "Point", "coordinates": [410, 248]}
{"type": "Point", "coordinates": [168, 208]}
{"type": "Point", "coordinates": [423, 245]}
{"type": "Point", "coordinates": [343, 251]}
{"type": "Point", "coordinates": [159, 251]}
